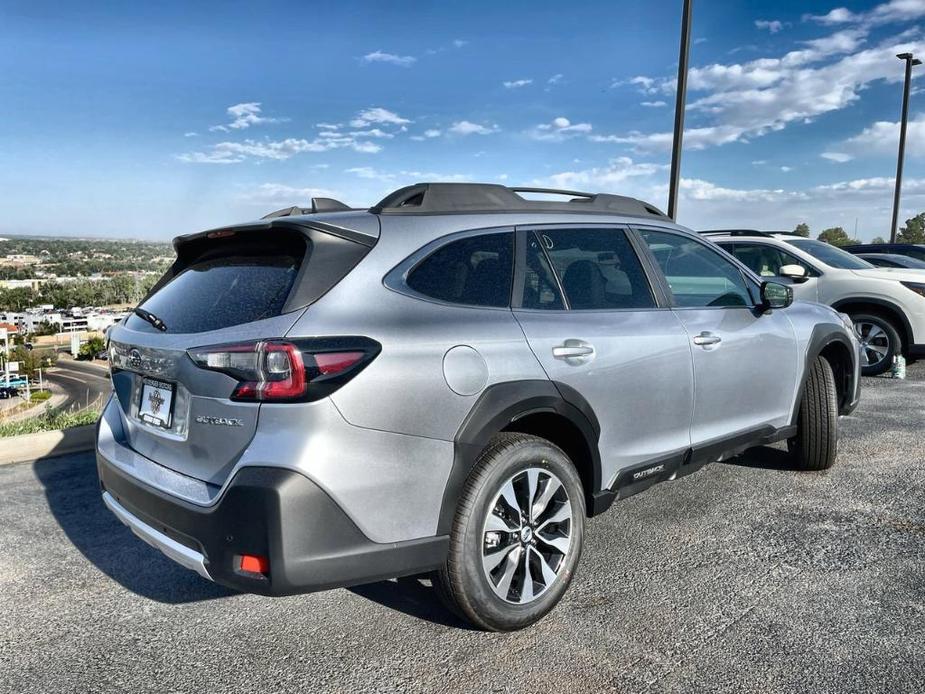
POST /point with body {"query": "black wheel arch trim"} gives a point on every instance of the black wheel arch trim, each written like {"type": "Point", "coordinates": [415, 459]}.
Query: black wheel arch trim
{"type": "Point", "coordinates": [499, 406]}
{"type": "Point", "coordinates": [824, 335]}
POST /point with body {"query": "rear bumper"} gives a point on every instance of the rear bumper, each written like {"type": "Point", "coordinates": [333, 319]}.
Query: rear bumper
{"type": "Point", "coordinates": [311, 544]}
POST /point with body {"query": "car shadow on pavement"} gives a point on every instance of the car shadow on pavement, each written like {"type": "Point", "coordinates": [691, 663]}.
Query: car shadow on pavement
{"type": "Point", "coordinates": [413, 596]}
{"type": "Point", "coordinates": [764, 457]}
{"type": "Point", "coordinates": [72, 491]}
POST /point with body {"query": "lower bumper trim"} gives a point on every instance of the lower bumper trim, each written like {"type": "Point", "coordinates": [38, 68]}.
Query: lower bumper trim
{"type": "Point", "coordinates": [184, 556]}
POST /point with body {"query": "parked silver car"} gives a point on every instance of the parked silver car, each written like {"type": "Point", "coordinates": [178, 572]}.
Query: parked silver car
{"type": "Point", "coordinates": [448, 382]}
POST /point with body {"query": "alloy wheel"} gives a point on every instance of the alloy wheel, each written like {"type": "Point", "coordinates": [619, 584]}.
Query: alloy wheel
{"type": "Point", "coordinates": [875, 342]}
{"type": "Point", "coordinates": [526, 535]}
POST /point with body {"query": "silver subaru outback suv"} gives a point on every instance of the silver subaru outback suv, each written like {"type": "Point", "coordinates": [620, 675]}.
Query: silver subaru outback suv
{"type": "Point", "coordinates": [450, 382]}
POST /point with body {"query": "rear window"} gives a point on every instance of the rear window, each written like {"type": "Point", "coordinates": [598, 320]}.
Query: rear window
{"type": "Point", "coordinates": [227, 284]}
{"type": "Point", "coordinates": [475, 271]}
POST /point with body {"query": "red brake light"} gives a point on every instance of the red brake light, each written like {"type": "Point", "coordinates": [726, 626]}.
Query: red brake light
{"type": "Point", "coordinates": [335, 362]}
{"type": "Point", "coordinates": [279, 370]}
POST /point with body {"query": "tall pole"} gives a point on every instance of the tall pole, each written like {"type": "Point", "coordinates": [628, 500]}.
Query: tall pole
{"type": "Point", "coordinates": [680, 102]}
{"type": "Point", "coordinates": [910, 61]}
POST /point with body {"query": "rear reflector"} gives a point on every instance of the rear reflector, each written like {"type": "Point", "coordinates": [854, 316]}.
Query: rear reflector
{"type": "Point", "coordinates": [255, 564]}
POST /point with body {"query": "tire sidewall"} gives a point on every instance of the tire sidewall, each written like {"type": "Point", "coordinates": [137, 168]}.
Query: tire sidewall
{"type": "Point", "coordinates": [497, 613]}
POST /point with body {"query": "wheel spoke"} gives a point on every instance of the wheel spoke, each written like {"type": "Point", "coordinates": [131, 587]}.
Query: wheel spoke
{"type": "Point", "coordinates": [548, 574]}
{"type": "Point", "coordinates": [503, 586]}
{"type": "Point", "coordinates": [496, 523]}
{"type": "Point", "coordinates": [559, 543]}
{"type": "Point", "coordinates": [526, 593]}
{"type": "Point", "coordinates": [509, 496]}
{"type": "Point", "coordinates": [564, 513]}
{"type": "Point", "coordinates": [533, 480]}
{"type": "Point", "coordinates": [491, 561]}
{"type": "Point", "coordinates": [880, 350]}
{"type": "Point", "coordinates": [539, 506]}
{"type": "Point", "coordinates": [874, 332]}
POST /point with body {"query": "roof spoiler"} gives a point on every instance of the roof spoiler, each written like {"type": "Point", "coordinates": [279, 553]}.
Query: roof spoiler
{"type": "Point", "coordinates": [318, 205]}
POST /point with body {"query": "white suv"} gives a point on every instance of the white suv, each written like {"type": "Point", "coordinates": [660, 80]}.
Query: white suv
{"type": "Point", "coordinates": [887, 305]}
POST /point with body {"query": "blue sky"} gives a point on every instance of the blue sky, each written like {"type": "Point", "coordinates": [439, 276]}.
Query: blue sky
{"type": "Point", "coordinates": [149, 120]}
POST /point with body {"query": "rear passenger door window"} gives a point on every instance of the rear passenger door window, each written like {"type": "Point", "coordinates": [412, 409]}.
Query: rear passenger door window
{"type": "Point", "coordinates": [697, 275]}
{"type": "Point", "coordinates": [584, 270]}
{"type": "Point", "coordinates": [474, 271]}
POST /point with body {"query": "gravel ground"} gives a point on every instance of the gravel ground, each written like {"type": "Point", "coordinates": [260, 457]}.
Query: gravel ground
{"type": "Point", "coordinates": [745, 577]}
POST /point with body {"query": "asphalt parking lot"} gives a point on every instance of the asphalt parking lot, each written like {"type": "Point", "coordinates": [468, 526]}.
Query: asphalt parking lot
{"type": "Point", "coordinates": [745, 577]}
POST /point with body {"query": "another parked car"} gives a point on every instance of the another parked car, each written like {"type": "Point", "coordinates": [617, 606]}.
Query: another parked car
{"type": "Point", "coordinates": [913, 250]}
{"type": "Point", "coordinates": [450, 381]}
{"type": "Point", "coordinates": [892, 260]}
{"type": "Point", "coordinates": [7, 392]}
{"type": "Point", "coordinates": [887, 306]}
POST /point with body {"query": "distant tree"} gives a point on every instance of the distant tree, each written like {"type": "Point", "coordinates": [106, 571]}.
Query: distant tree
{"type": "Point", "coordinates": [89, 348]}
{"type": "Point", "coordinates": [835, 236]}
{"type": "Point", "coordinates": [802, 229]}
{"type": "Point", "coordinates": [914, 231]}
{"type": "Point", "coordinates": [879, 239]}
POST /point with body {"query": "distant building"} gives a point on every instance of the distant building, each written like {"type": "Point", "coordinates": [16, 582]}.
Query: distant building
{"type": "Point", "coordinates": [33, 283]}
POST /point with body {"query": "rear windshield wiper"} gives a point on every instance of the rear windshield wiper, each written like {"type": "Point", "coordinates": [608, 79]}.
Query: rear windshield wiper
{"type": "Point", "coordinates": [151, 318]}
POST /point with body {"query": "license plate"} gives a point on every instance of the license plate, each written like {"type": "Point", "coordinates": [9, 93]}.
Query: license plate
{"type": "Point", "coordinates": [156, 406]}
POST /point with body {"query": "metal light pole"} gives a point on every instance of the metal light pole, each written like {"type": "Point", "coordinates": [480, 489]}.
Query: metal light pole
{"type": "Point", "coordinates": [910, 61]}
{"type": "Point", "coordinates": [680, 101]}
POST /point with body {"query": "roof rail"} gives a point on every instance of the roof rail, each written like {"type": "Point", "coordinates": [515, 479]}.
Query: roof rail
{"type": "Point", "coordinates": [318, 205]}
{"type": "Point", "coordinates": [448, 198]}
{"type": "Point", "coordinates": [736, 232]}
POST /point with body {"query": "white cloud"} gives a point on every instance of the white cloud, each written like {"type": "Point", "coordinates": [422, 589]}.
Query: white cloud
{"type": "Point", "coordinates": [883, 138]}
{"type": "Point", "coordinates": [279, 150]}
{"type": "Point", "coordinates": [459, 43]}
{"type": "Point", "coordinates": [403, 177]}
{"type": "Point", "coordinates": [786, 169]}
{"type": "Point", "coordinates": [367, 172]}
{"type": "Point", "coordinates": [391, 58]}
{"type": "Point", "coordinates": [771, 25]}
{"type": "Point", "coordinates": [379, 115]}
{"type": "Point", "coordinates": [555, 79]}
{"type": "Point", "coordinates": [191, 134]}
{"type": "Point", "coordinates": [516, 84]}
{"type": "Point", "coordinates": [559, 129]}
{"type": "Point", "coordinates": [610, 178]}
{"type": "Point", "coordinates": [465, 127]}
{"type": "Point", "coordinates": [745, 101]}
{"type": "Point", "coordinates": [886, 13]}
{"type": "Point", "coordinates": [432, 132]}
{"type": "Point", "coordinates": [653, 104]}
{"type": "Point", "coordinates": [244, 116]}
{"type": "Point", "coordinates": [839, 157]}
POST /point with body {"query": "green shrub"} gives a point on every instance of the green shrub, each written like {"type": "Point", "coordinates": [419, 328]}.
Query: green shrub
{"type": "Point", "coordinates": [50, 420]}
{"type": "Point", "coordinates": [40, 395]}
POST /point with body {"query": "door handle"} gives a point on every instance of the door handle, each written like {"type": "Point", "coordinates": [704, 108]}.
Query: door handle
{"type": "Point", "coordinates": [576, 350]}
{"type": "Point", "coordinates": [705, 339]}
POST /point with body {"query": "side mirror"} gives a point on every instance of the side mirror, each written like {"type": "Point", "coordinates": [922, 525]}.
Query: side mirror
{"type": "Point", "coordinates": [797, 273]}
{"type": "Point", "coordinates": [775, 295]}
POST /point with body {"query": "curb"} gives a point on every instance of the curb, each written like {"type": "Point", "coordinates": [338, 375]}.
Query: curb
{"type": "Point", "coordinates": [28, 447]}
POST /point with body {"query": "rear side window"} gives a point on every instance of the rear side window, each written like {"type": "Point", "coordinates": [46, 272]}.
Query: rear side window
{"type": "Point", "coordinates": [475, 271]}
{"type": "Point", "coordinates": [598, 270]}
{"type": "Point", "coordinates": [227, 284]}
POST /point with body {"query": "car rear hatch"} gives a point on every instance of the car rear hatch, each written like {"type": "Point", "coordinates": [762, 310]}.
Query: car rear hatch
{"type": "Point", "coordinates": [238, 287]}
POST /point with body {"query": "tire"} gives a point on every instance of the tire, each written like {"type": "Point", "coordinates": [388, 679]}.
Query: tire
{"type": "Point", "coordinates": [484, 577]}
{"type": "Point", "coordinates": [886, 337]}
{"type": "Point", "coordinates": [815, 446]}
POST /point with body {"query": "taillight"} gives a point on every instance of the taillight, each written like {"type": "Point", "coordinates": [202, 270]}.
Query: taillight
{"type": "Point", "coordinates": [284, 371]}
